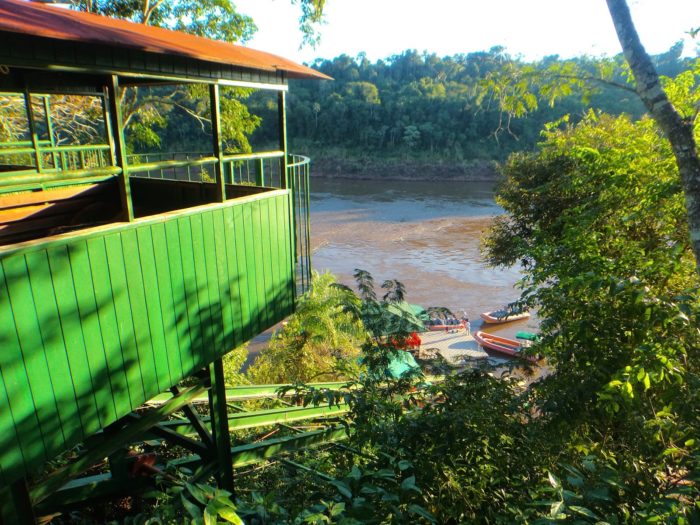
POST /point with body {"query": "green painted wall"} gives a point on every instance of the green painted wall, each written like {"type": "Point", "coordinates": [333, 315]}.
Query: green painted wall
{"type": "Point", "coordinates": [95, 324]}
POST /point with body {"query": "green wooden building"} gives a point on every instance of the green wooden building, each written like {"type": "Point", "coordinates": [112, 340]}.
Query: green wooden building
{"type": "Point", "coordinates": [121, 275]}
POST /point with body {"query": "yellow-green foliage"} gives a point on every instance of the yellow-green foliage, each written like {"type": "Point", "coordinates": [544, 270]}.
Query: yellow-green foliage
{"type": "Point", "coordinates": [233, 364]}
{"type": "Point", "coordinates": [319, 342]}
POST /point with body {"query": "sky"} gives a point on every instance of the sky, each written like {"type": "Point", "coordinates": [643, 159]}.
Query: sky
{"type": "Point", "coordinates": [529, 28]}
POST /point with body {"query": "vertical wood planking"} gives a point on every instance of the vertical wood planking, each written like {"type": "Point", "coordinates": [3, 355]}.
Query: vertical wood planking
{"type": "Point", "coordinates": [238, 234]}
{"type": "Point", "coordinates": [16, 381]}
{"type": "Point", "coordinates": [215, 299]}
{"type": "Point", "coordinates": [222, 275]}
{"type": "Point", "coordinates": [10, 446]}
{"type": "Point", "coordinates": [251, 271]}
{"type": "Point", "coordinates": [279, 273]}
{"type": "Point", "coordinates": [271, 307]}
{"type": "Point", "coordinates": [287, 249]}
{"type": "Point", "coordinates": [146, 263]}
{"type": "Point", "coordinates": [109, 327]}
{"type": "Point", "coordinates": [139, 312]}
{"type": "Point", "coordinates": [177, 286]}
{"type": "Point", "coordinates": [265, 209]}
{"type": "Point", "coordinates": [125, 323]}
{"type": "Point", "coordinates": [285, 241]}
{"type": "Point", "coordinates": [169, 318]}
{"type": "Point", "coordinates": [73, 339]}
{"type": "Point", "coordinates": [234, 276]}
{"type": "Point", "coordinates": [206, 323]}
{"type": "Point", "coordinates": [92, 327]}
{"type": "Point", "coordinates": [33, 355]}
{"type": "Point", "coordinates": [257, 248]}
{"type": "Point", "coordinates": [189, 285]}
{"type": "Point", "coordinates": [60, 383]}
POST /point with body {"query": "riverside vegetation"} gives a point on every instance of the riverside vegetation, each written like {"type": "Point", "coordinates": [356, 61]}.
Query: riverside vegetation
{"type": "Point", "coordinates": [594, 214]}
{"type": "Point", "coordinates": [597, 220]}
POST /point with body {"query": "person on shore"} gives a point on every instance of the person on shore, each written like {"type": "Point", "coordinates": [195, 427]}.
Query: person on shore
{"type": "Point", "coordinates": [465, 321]}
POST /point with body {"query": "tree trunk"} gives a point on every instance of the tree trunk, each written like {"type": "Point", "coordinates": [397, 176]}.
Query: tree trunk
{"type": "Point", "coordinates": [678, 131]}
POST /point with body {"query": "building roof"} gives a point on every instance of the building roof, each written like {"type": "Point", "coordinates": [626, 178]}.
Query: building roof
{"type": "Point", "coordinates": [40, 20]}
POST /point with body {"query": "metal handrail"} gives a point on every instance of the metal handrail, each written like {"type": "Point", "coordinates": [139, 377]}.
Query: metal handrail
{"type": "Point", "coordinates": [167, 164]}
{"type": "Point", "coordinates": [39, 178]}
{"type": "Point", "coordinates": [254, 156]}
{"type": "Point", "coordinates": [298, 160]}
{"type": "Point", "coordinates": [54, 149]}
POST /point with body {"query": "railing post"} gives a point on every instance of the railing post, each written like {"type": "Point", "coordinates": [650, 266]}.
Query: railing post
{"type": "Point", "coordinates": [286, 182]}
{"type": "Point", "coordinates": [282, 117]}
{"type": "Point", "coordinates": [49, 128]}
{"type": "Point", "coordinates": [214, 103]}
{"type": "Point", "coordinates": [259, 172]}
{"type": "Point", "coordinates": [32, 130]}
{"type": "Point", "coordinates": [119, 147]}
{"type": "Point", "coordinates": [108, 127]}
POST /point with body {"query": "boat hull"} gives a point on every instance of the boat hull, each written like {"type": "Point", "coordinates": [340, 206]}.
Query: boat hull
{"type": "Point", "coordinates": [492, 318]}
{"type": "Point", "coordinates": [502, 345]}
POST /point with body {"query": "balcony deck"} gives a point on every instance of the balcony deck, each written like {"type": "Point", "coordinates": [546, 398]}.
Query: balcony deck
{"type": "Point", "coordinates": [96, 322]}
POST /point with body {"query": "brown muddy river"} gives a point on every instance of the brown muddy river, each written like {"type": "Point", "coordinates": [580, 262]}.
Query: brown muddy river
{"type": "Point", "coordinates": [424, 234]}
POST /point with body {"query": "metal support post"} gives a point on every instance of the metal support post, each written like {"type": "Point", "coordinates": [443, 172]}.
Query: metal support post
{"type": "Point", "coordinates": [119, 147]}
{"type": "Point", "coordinates": [52, 138]}
{"type": "Point", "coordinates": [32, 130]}
{"type": "Point", "coordinates": [219, 425]}
{"type": "Point", "coordinates": [214, 102]}
{"type": "Point", "coordinates": [282, 119]}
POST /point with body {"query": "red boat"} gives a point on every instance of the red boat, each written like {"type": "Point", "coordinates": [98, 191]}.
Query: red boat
{"type": "Point", "coordinates": [503, 345]}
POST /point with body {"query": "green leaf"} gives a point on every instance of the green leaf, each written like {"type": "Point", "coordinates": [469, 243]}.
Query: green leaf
{"type": "Point", "coordinates": [404, 465]}
{"type": "Point", "coordinates": [556, 509]}
{"type": "Point", "coordinates": [583, 511]}
{"type": "Point", "coordinates": [554, 481]}
{"type": "Point", "coordinates": [409, 483]}
{"type": "Point", "coordinates": [355, 473]}
{"type": "Point", "coordinates": [230, 515]}
{"type": "Point", "coordinates": [197, 493]}
{"type": "Point", "coordinates": [209, 515]}
{"type": "Point", "coordinates": [343, 488]}
{"type": "Point", "coordinates": [420, 511]}
{"type": "Point", "coordinates": [337, 509]}
{"type": "Point", "coordinates": [190, 507]}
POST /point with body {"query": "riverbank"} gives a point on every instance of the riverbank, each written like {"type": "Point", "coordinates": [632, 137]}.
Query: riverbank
{"type": "Point", "coordinates": [371, 168]}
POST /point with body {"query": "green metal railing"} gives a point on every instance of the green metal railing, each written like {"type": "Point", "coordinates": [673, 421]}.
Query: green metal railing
{"type": "Point", "coordinates": [47, 158]}
{"type": "Point", "coordinates": [298, 169]}
{"type": "Point", "coordinates": [253, 169]}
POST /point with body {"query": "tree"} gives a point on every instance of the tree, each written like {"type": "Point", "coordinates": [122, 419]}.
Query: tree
{"type": "Point", "coordinates": [678, 128]}
{"type": "Point", "coordinates": [596, 219]}
{"type": "Point", "coordinates": [318, 341]}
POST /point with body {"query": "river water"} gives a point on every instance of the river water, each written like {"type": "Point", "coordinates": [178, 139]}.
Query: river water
{"type": "Point", "coordinates": [425, 234]}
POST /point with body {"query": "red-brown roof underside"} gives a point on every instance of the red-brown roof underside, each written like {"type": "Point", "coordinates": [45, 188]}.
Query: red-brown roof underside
{"type": "Point", "coordinates": [28, 18]}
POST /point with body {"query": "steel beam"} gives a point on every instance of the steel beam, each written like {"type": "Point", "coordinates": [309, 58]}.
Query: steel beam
{"type": "Point", "coordinates": [244, 455]}
{"type": "Point", "coordinates": [101, 450]}
{"type": "Point", "coordinates": [219, 425]}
